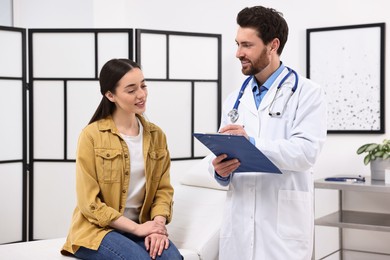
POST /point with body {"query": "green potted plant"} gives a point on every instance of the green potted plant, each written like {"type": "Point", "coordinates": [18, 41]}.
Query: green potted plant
{"type": "Point", "coordinates": [378, 155]}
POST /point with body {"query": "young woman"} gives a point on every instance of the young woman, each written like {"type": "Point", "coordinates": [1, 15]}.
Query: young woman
{"type": "Point", "coordinates": [124, 195]}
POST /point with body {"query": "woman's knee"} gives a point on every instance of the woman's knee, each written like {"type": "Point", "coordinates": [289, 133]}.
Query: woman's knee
{"type": "Point", "coordinates": [171, 253]}
{"type": "Point", "coordinates": [114, 246]}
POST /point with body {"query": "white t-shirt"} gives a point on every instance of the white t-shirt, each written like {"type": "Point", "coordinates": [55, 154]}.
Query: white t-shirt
{"type": "Point", "coordinates": [136, 193]}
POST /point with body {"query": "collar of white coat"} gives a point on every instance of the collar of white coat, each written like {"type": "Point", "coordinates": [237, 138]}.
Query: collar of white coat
{"type": "Point", "coordinates": [247, 99]}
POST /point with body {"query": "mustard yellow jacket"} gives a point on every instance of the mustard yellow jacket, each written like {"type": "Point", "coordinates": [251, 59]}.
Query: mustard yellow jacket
{"type": "Point", "coordinates": [102, 181]}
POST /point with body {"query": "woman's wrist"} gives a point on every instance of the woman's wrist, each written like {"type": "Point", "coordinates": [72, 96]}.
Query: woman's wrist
{"type": "Point", "coordinates": [160, 219]}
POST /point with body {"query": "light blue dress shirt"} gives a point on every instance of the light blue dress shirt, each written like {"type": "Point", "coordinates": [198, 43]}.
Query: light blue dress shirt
{"type": "Point", "coordinates": [259, 93]}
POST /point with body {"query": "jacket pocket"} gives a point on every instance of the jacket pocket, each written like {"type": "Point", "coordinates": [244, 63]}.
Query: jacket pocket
{"type": "Point", "coordinates": [156, 159]}
{"type": "Point", "coordinates": [108, 165]}
{"type": "Point", "coordinates": [294, 219]}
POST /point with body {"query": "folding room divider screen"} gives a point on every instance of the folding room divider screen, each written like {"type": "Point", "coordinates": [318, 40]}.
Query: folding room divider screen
{"type": "Point", "coordinates": [63, 91]}
{"type": "Point", "coordinates": [13, 135]}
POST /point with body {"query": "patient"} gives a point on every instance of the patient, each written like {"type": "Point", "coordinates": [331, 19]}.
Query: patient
{"type": "Point", "coordinates": [124, 194]}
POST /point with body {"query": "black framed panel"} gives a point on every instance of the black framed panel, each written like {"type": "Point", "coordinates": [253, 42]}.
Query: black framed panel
{"type": "Point", "coordinates": [349, 62]}
{"type": "Point", "coordinates": [184, 70]}
{"type": "Point", "coordinates": [13, 201]}
{"type": "Point", "coordinates": [205, 96]}
{"type": "Point", "coordinates": [55, 201]}
{"type": "Point", "coordinates": [162, 114]}
{"type": "Point", "coordinates": [63, 73]}
{"type": "Point", "coordinates": [13, 135]}
{"type": "Point", "coordinates": [78, 92]}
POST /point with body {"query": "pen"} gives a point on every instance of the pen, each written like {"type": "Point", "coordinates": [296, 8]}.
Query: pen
{"type": "Point", "coordinates": [346, 179]}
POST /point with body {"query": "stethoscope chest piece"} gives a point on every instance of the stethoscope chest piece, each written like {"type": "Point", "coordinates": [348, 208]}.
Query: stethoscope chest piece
{"type": "Point", "coordinates": [233, 115]}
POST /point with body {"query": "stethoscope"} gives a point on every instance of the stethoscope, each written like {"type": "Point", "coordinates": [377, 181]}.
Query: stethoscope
{"type": "Point", "coordinates": [234, 115]}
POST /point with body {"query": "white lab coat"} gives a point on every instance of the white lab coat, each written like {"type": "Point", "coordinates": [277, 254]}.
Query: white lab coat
{"type": "Point", "coordinates": [271, 216]}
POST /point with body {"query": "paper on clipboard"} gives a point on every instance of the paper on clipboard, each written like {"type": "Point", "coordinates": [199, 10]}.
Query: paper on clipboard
{"type": "Point", "coordinates": [237, 146]}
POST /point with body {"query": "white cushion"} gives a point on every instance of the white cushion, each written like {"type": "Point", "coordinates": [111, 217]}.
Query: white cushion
{"type": "Point", "coordinates": [197, 217]}
{"type": "Point", "coordinates": [49, 249]}
{"type": "Point", "coordinates": [34, 250]}
{"type": "Point", "coordinates": [199, 176]}
{"type": "Point", "coordinates": [190, 255]}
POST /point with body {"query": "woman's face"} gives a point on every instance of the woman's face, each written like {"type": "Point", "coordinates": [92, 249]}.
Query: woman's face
{"type": "Point", "coordinates": [131, 93]}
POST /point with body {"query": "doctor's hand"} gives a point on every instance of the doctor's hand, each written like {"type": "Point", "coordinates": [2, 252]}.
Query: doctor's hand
{"type": "Point", "coordinates": [234, 130]}
{"type": "Point", "coordinates": [225, 168]}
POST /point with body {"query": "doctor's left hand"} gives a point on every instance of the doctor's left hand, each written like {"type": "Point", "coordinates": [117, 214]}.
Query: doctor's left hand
{"type": "Point", "coordinates": [225, 167]}
{"type": "Point", "coordinates": [234, 130]}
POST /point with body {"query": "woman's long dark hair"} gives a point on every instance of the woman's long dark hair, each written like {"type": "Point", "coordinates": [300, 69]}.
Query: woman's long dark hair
{"type": "Point", "coordinates": [109, 76]}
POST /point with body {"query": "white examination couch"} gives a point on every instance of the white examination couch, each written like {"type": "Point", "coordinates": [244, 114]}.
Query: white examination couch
{"type": "Point", "coordinates": [197, 216]}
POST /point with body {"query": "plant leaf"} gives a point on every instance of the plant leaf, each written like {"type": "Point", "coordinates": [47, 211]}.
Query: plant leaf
{"type": "Point", "coordinates": [367, 159]}
{"type": "Point", "coordinates": [379, 153]}
{"type": "Point", "coordinates": [362, 148]}
{"type": "Point", "coordinates": [371, 147]}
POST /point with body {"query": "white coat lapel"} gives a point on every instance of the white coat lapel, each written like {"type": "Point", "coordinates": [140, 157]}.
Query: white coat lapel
{"type": "Point", "coordinates": [270, 95]}
{"type": "Point", "coordinates": [247, 100]}
{"type": "Point", "coordinates": [267, 99]}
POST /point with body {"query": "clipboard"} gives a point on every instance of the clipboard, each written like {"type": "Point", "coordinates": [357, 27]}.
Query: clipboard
{"type": "Point", "coordinates": [237, 146]}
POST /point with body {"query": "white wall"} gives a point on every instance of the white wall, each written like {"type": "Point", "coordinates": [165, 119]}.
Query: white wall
{"type": "Point", "coordinates": [218, 16]}
{"type": "Point", "coordinates": [6, 12]}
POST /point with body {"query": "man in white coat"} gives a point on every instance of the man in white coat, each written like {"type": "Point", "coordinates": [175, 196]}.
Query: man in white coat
{"type": "Point", "coordinates": [270, 216]}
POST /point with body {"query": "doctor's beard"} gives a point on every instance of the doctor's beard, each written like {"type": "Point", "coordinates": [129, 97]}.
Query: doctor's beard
{"type": "Point", "coordinates": [257, 65]}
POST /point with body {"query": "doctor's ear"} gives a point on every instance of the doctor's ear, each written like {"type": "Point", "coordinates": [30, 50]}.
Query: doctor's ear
{"type": "Point", "coordinates": [274, 44]}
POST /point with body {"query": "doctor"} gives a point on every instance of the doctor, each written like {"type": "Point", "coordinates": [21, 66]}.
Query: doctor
{"type": "Point", "coordinates": [270, 216]}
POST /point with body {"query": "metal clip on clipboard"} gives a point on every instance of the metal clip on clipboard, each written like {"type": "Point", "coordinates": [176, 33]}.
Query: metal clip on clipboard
{"type": "Point", "coordinates": [353, 179]}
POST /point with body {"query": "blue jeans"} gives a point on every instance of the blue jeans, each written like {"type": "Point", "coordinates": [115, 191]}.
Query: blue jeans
{"type": "Point", "coordinates": [125, 246]}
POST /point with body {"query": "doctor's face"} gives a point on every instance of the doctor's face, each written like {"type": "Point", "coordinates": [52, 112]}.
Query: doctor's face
{"type": "Point", "coordinates": [251, 51]}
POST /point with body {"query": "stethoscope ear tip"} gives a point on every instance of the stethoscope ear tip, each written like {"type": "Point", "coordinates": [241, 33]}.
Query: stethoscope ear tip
{"type": "Point", "coordinates": [274, 114]}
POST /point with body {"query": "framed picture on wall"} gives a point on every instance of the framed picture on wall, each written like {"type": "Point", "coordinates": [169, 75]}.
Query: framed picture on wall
{"type": "Point", "coordinates": [349, 63]}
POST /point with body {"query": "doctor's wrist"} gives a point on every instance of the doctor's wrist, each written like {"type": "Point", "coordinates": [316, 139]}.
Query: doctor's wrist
{"type": "Point", "coordinates": [221, 178]}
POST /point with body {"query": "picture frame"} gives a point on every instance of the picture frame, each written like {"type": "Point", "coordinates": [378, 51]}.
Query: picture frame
{"type": "Point", "coordinates": [349, 63]}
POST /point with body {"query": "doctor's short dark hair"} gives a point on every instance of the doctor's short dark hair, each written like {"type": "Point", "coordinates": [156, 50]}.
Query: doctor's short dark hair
{"type": "Point", "coordinates": [268, 23]}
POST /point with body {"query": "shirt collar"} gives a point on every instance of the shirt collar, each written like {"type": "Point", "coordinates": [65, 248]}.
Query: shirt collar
{"type": "Point", "coordinates": [107, 123]}
{"type": "Point", "coordinates": [268, 83]}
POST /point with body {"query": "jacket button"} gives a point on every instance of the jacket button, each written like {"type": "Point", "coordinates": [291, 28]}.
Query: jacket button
{"type": "Point", "coordinates": [120, 207]}
{"type": "Point", "coordinates": [126, 155]}
{"type": "Point", "coordinates": [92, 207]}
{"type": "Point", "coordinates": [123, 191]}
{"type": "Point", "coordinates": [127, 172]}
{"type": "Point", "coordinates": [108, 155]}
